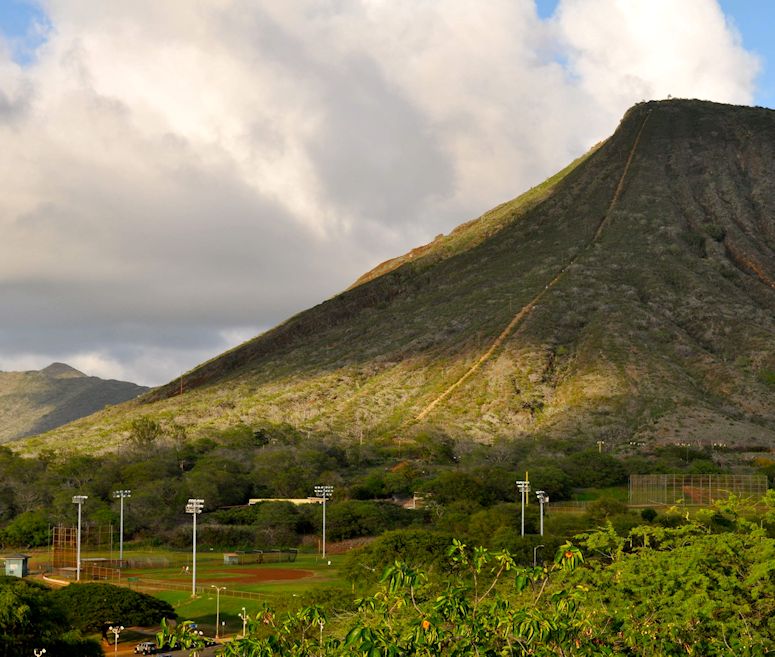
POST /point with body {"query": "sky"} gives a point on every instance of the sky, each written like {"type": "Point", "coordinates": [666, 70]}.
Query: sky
{"type": "Point", "coordinates": [177, 177]}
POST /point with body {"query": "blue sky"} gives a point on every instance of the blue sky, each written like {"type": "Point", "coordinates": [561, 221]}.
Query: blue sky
{"type": "Point", "coordinates": [23, 24]}
{"type": "Point", "coordinates": [754, 20]}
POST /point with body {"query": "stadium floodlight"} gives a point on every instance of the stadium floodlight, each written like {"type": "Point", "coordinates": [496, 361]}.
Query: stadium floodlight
{"type": "Point", "coordinates": [325, 492]}
{"type": "Point", "coordinates": [543, 498]}
{"type": "Point", "coordinates": [79, 500]}
{"type": "Point", "coordinates": [194, 507]}
{"type": "Point", "coordinates": [523, 486]}
{"type": "Point", "coordinates": [121, 495]}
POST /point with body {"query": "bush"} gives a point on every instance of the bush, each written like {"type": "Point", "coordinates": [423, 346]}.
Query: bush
{"type": "Point", "coordinates": [648, 514]}
{"type": "Point", "coordinates": [605, 508]}
{"type": "Point", "coordinates": [451, 486]}
{"type": "Point", "coordinates": [591, 469]}
{"type": "Point", "coordinates": [521, 547]}
{"type": "Point", "coordinates": [414, 546]}
{"type": "Point", "coordinates": [32, 617]}
{"type": "Point", "coordinates": [30, 529]}
{"type": "Point", "coordinates": [353, 518]}
{"type": "Point", "coordinates": [91, 606]}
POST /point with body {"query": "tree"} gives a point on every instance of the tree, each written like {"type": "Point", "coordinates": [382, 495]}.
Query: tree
{"type": "Point", "coordinates": [144, 431]}
{"type": "Point", "coordinates": [414, 546]}
{"type": "Point", "coordinates": [679, 591]}
{"type": "Point", "coordinates": [29, 529]}
{"type": "Point", "coordinates": [450, 485]}
{"type": "Point", "coordinates": [30, 617]}
{"type": "Point", "coordinates": [593, 469]}
{"type": "Point", "coordinates": [91, 606]}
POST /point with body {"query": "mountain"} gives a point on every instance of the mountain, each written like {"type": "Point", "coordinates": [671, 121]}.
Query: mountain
{"type": "Point", "coordinates": [631, 297]}
{"type": "Point", "coordinates": [37, 401]}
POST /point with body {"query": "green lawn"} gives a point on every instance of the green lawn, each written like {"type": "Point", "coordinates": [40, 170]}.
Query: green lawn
{"type": "Point", "coordinates": [280, 594]}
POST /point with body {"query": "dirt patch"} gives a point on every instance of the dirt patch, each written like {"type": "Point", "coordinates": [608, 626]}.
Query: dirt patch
{"type": "Point", "coordinates": [253, 575]}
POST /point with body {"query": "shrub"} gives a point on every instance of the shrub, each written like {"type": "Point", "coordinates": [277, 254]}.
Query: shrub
{"type": "Point", "coordinates": [414, 546]}
{"type": "Point", "coordinates": [90, 606]}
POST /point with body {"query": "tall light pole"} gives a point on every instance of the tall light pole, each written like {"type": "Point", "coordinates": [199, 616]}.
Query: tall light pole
{"type": "Point", "coordinates": [325, 492]}
{"type": "Point", "coordinates": [38, 653]}
{"type": "Point", "coordinates": [523, 486]}
{"type": "Point", "coordinates": [116, 630]}
{"type": "Point", "coordinates": [543, 498]}
{"type": "Point", "coordinates": [79, 500]}
{"type": "Point", "coordinates": [244, 617]}
{"type": "Point", "coordinates": [194, 507]}
{"type": "Point", "coordinates": [121, 494]}
{"type": "Point", "coordinates": [218, 590]}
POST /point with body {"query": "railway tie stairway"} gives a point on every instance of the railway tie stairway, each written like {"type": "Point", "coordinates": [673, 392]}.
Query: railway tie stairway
{"type": "Point", "coordinates": [525, 311]}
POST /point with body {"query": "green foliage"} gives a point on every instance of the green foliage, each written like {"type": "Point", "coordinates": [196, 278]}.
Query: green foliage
{"type": "Point", "coordinates": [648, 514]}
{"type": "Point", "coordinates": [30, 617]}
{"type": "Point", "coordinates": [552, 479]}
{"type": "Point", "coordinates": [453, 485]}
{"type": "Point", "coordinates": [144, 431]}
{"type": "Point", "coordinates": [684, 591]}
{"type": "Point", "coordinates": [715, 231]}
{"type": "Point", "coordinates": [704, 588]}
{"type": "Point", "coordinates": [181, 635]}
{"type": "Point", "coordinates": [352, 518]}
{"type": "Point", "coordinates": [30, 529]}
{"type": "Point", "coordinates": [768, 377]}
{"type": "Point", "coordinates": [91, 606]}
{"type": "Point", "coordinates": [594, 469]}
{"type": "Point", "coordinates": [416, 547]}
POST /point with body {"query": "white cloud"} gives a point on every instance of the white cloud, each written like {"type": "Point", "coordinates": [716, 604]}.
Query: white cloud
{"type": "Point", "coordinates": [176, 171]}
{"type": "Point", "coordinates": [622, 50]}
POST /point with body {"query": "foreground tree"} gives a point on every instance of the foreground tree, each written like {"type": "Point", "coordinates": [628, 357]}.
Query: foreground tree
{"type": "Point", "coordinates": [91, 607]}
{"type": "Point", "coordinates": [30, 618]}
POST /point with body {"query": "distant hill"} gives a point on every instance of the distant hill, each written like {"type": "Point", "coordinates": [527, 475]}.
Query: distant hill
{"type": "Point", "coordinates": [631, 297]}
{"type": "Point", "coordinates": [37, 401]}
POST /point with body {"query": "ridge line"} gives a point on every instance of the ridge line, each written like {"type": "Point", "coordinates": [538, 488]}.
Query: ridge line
{"type": "Point", "coordinates": [527, 309]}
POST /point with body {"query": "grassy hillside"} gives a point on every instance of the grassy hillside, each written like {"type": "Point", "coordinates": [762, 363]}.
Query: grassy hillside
{"type": "Point", "coordinates": [630, 297]}
{"type": "Point", "coordinates": [37, 401]}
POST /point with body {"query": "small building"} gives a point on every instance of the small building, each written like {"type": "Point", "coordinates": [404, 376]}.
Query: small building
{"type": "Point", "coordinates": [231, 559]}
{"type": "Point", "coordinates": [16, 565]}
{"type": "Point", "coordinates": [293, 500]}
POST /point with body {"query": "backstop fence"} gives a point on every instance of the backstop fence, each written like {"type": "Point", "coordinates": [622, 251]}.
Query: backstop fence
{"type": "Point", "coordinates": [694, 489]}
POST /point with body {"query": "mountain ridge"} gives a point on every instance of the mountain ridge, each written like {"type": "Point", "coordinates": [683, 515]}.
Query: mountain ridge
{"type": "Point", "coordinates": [628, 298]}
{"type": "Point", "coordinates": [36, 401]}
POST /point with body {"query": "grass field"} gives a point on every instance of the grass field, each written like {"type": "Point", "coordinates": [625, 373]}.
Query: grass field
{"type": "Point", "coordinates": [280, 585]}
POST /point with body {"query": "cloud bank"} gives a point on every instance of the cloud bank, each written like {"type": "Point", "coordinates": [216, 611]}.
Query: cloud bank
{"type": "Point", "coordinates": [176, 177]}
